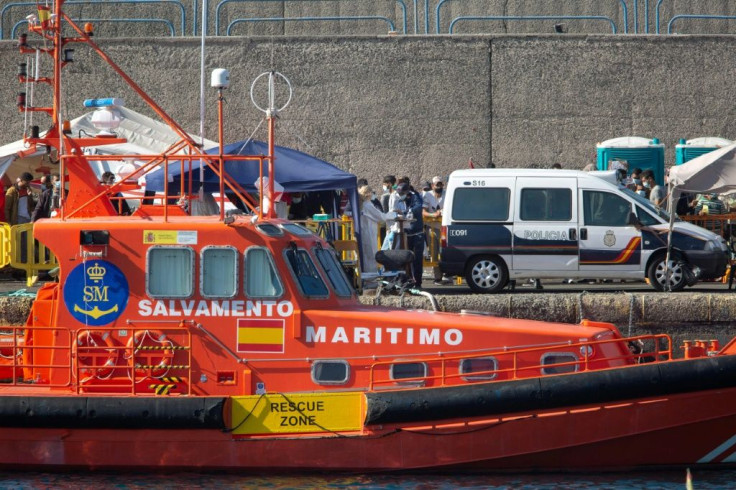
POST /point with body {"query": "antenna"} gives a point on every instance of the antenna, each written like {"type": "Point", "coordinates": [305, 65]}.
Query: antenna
{"type": "Point", "coordinates": [271, 113]}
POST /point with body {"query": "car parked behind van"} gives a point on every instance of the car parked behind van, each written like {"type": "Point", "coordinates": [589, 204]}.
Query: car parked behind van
{"type": "Point", "coordinates": [509, 224]}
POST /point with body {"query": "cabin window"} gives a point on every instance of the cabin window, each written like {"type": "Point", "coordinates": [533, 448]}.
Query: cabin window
{"type": "Point", "coordinates": [261, 278]}
{"type": "Point", "coordinates": [481, 204]}
{"type": "Point", "coordinates": [219, 272]}
{"type": "Point", "coordinates": [334, 272]}
{"type": "Point", "coordinates": [330, 372]}
{"type": "Point", "coordinates": [484, 366]}
{"type": "Point", "coordinates": [309, 281]}
{"type": "Point", "coordinates": [407, 370]}
{"type": "Point", "coordinates": [546, 204]}
{"type": "Point", "coordinates": [270, 230]}
{"type": "Point", "coordinates": [551, 361]}
{"type": "Point", "coordinates": [605, 209]}
{"type": "Point", "coordinates": [295, 229]}
{"type": "Point", "coordinates": [170, 272]}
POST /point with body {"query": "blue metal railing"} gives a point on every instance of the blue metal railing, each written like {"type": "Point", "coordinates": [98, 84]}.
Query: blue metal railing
{"type": "Point", "coordinates": [533, 17]}
{"type": "Point", "coordinates": [177, 3]}
{"type": "Point", "coordinates": [696, 16]}
{"type": "Point", "coordinates": [166, 22]}
{"type": "Point", "coordinates": [624, 11]}
{"type": "Point", "coordinates": [392, 21]}
{"type": "Point", "coordinates": [225, 2]}
{"type": "Point", "coordinates": [308, 19]}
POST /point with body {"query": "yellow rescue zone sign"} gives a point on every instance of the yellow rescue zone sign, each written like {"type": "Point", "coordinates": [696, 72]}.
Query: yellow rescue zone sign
{"type": "Point", "coordinates": [303, 412]}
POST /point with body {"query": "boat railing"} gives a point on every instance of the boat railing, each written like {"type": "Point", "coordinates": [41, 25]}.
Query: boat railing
{"type": "Point", "coordinates": [173, 198]}
{"type": "Point", "coordinates": [508, 364]}
{"type": "Point", "coordinates": [156, 359]}
{"type": "Point", "coordinates": [29, 364]}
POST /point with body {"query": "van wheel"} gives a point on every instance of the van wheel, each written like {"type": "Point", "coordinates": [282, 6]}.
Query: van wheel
{"type": "Point", "coordinates": [486, 274]}
{"type": "Point", "coordinates": [657, 273]}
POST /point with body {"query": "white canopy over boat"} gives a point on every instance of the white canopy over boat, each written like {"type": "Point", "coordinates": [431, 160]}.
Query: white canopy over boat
{"type": "Point", "coordinates": [145, 137]}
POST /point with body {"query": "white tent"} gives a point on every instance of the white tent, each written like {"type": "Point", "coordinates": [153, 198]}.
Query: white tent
{"type": "Point", "coordinates": [712, 172]}
{"type": "Point", "coordinates": [144, 135]}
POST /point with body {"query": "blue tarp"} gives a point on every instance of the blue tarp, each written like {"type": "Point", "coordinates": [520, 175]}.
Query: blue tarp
{"type": "Point", "coordinates": [295, 171]}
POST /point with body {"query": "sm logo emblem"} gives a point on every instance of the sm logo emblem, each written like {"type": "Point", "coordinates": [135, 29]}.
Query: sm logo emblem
{"type": "Point", "coordinates": [96, 292]}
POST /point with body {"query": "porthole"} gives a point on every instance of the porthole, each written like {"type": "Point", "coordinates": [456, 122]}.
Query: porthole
{"type": "Point", "coordinates": [552, 360]}
{"type": "Point", "coordinates": [484, 366]}
{"type": "Point", "coordinates": [330, 372]}
{"type": "Point", "coordinates": [409, 370]}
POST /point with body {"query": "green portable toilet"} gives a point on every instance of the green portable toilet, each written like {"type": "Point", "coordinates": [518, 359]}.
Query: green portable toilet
{"type": "Point", "coordinates": [643, 153]}
{"type": "Point", "coordinates": [687, 150]}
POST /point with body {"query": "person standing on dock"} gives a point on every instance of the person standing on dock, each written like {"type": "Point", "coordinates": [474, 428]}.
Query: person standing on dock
{"type": "Point", "coordinates": [413, 228]}
{"type": "Point", "coordinates": [45, 202]}
{"type": "Point", "coordinates": [19, 202]}
{"type": "Point", "coordinates": [658, 193]}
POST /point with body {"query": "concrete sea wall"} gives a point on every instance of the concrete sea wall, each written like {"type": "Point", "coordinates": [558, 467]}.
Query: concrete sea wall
{"type": "Point", "coordinates": [423, 106]}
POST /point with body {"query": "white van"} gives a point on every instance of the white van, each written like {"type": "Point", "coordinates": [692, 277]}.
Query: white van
{"type": "Point", "coordinates": [502, 224]}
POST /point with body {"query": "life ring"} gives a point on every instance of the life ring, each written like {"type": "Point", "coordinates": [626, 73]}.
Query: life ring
{"type": "Point", "coordinates": [8, 349]}
{"type": "Point", "coordinates": [96, 354]}
{"type": "Point", "coordinates": [150, 354]}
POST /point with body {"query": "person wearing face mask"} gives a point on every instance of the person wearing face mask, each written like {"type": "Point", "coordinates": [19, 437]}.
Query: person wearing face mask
{"type": "Point", "coordinates": [298, 209]}
{"type": "Point", "coordinates": [635, 181]}
{"type": "Point", "coordinates": [657, 193]}
{"type": "Point", "coordinates": [409, 204]}
{"type": "Point", "coordinates": [370, 216]}
{"type": "Point", "coordinates": [389, 182]}
{"type": "Point", "coordinates": [436, 199]}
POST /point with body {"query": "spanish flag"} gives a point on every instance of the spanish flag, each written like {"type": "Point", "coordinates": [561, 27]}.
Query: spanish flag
{"type": "Point", "coordinates": [261, 335]}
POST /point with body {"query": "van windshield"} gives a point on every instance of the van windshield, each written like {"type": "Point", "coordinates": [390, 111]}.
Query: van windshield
{"type": "Point", "coordinates": [647, 204]}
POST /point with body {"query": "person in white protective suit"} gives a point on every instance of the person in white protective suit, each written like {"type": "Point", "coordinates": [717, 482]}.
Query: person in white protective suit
{"type": "Point", "coordinates": [370, 216]}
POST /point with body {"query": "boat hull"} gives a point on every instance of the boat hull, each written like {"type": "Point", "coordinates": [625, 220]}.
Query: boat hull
{"type": "Point", "coordinates": [676, 430]}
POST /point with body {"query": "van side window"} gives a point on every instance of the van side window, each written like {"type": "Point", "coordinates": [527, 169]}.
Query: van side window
{"type": "Point", "coordinates": [546, 204]}
{"type": "Point", "coordinates": [605, 209]}
{"type": "Point", "coordinates": [645, 218]}
{"type": "Point", "coordinates": [481, 204]}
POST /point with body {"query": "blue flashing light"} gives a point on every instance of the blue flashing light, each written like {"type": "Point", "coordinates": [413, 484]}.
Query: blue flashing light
{"type": "Point", "coordinates": [106, 102]}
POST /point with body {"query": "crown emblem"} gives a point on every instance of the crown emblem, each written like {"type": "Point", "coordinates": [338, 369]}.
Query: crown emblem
{"type": "Point", "coordinates": [96, 272]}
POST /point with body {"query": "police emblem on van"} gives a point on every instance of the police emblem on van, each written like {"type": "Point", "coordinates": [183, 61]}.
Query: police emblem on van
{"type": "Point", "coordinates": [609, 240]}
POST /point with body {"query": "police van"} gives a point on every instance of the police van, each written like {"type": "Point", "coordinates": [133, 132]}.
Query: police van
{"type": "Point", "coordinates": [507, 224]}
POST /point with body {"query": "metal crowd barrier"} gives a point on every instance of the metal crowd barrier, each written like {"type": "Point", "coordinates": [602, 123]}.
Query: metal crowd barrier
{"type": "Point", "coordinates": [717, 223]}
